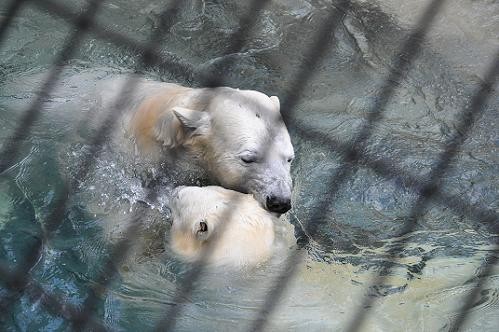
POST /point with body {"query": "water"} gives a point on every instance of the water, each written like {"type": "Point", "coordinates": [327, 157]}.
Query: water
{"type": "Point", "coordinates": [433, 274]}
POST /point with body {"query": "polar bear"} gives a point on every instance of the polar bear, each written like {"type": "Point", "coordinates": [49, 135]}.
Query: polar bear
{"type": "Point", "coordinates": [220, 226]}
{"type": "Point", "coordinates": [237, 136]}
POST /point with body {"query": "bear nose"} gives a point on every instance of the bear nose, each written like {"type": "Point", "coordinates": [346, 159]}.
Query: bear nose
{"type": "Point", "coordinates": [278, 204]}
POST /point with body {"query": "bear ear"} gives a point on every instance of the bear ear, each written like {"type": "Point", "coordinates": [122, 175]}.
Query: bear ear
{"type": "Point", "coordinates": [175, 127]}
{"type": "Point", "coordinates": [191, 119]}
{"type": "Point", "coordinates": [202, 230]}
{"type": "Point", "coordinates": [276, 102]}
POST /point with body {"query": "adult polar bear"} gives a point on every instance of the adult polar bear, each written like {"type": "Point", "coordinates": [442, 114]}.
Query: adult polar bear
{"type": "Point", "coordinates": [237, 136]}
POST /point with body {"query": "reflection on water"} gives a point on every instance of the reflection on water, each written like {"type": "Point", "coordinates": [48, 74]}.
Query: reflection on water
{"type": "Point", "coordinates": [432, 275]}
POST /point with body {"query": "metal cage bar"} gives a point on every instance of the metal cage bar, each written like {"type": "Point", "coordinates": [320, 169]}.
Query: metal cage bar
{"type": "Point", "coordinates": [352, 152]}
{"type": "Point", "coordinates": [465, 122]}
{"type": "Point", "coordinates": [401, 64]}
{"type": "Point", "coordinates": [12, 11]}
{"type": "Point", "coordinates": [12, 146]}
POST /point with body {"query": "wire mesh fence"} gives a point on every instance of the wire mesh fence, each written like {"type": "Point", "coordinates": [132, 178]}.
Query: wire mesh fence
{"type": "Point", "coordinates": [428, 190]}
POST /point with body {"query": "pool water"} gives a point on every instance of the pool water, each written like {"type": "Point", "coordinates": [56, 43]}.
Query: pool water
{"type": "Point", "coordinates": [429, 279]}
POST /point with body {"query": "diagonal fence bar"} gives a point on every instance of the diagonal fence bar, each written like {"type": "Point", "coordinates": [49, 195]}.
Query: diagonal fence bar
{"type": "Point", "coordinates": [401, 65]}
{"type": "Point", "coordinates": [57, 214]}
{"type": "Point", "coordinates": [356, 154]}
{"type": "Point", "coordinates": [198, 268]}
{"type": "Point", "coordinates": [381, 168]}
{"type": "Point", "coordinates": [56, 217]}
{"type": "Point", "coordinates": [120, 250]}
{"type": "Point", "coordinates": [11, 148]}
{"type": "Point", "coordinates": [316, 51]}
{"type": "Point", "coordinates": [96, 143]}
{"type": "Point", "coordinates": [236, 42]}
{"type": "Point", "coordinates": [464, 124]}
{"type": "Point", "coordinates": [387, 170]}
{"type": "Point", "coordinates": [168, 323]}
{"type": "Point", "coordinates": [168, 62]}
{"type": "Point", "coordinates": [486, 217]}
{"type": "Point", "coordinates": [491, 260]}
{"type": "Point", "coordinates": [14, 7]}
{"type": "Point", "coordinates": [35, 292]}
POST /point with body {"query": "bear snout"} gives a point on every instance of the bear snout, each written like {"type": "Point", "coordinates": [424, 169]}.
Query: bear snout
{"type": "Point", "coordinates": [279, 204]}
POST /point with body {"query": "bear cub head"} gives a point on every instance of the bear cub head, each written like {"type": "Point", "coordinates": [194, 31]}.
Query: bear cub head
{"type": "Point", "coordinates": [220, 226]}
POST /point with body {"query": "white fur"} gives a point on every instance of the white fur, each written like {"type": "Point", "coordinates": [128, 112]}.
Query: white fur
{"type": "Point", "coordinates": [239, 232]}
{"type": "Point", "coordinates": [214, 128]}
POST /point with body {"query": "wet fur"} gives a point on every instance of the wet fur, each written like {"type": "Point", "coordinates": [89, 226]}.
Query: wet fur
{"type": "Point", "coordinates": [238, 231]}
{"type": "Point", "coordinates": [208, 129]}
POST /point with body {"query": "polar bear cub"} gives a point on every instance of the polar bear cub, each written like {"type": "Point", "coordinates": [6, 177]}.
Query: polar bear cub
{"type": "Point", "coordinates": [220, 226]}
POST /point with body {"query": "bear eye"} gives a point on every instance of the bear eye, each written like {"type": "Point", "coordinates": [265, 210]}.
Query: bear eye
{"type": "Point", "coordinates": [203, 227]}
{"type": "Point", "coordinates": [248, 159]}
{"type": "Point", "coordinates": [290, 159]}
